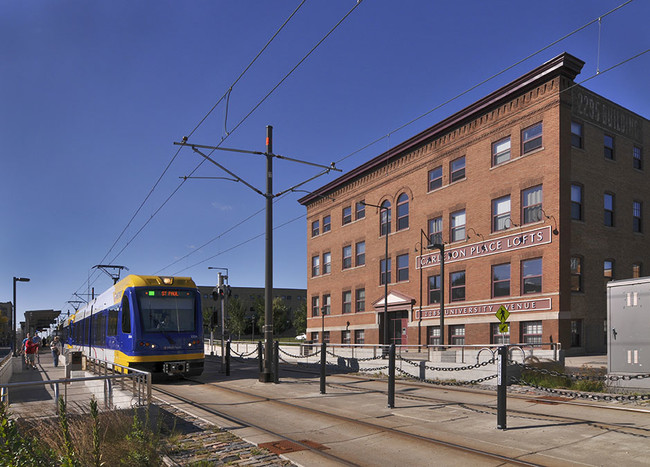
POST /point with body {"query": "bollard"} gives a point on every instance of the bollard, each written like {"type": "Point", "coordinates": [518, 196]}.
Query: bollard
{"type": "Point", "coordinates": [276, 362]}
{"type": "Point", "coordinates": [502, 385]}
{"type": "Point", "coordinates": [228, 357]}
{"type": "Point", "coordinates": [323, 363]}
{"type": "Point", "coordinates": [260, 351]}
{"type": "Point", "coordinates": [391, 376]}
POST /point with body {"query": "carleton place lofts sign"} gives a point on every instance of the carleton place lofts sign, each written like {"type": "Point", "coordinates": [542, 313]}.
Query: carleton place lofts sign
{"type": "Point", "coordinates": [516, 241]}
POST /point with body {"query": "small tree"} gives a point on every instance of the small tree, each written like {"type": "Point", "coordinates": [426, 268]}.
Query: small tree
{"type": "Point", "coordinates": [236, 317]}
{"type": "Point", "coordinates": [280, 312]}
{"type": "Point", "coordinates": [300, 318]}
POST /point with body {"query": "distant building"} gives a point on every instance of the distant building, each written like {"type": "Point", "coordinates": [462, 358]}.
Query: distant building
{"type": "Point", "coordinates": [5, 324]}
{"type": "Point", "coordinates": [539, 193]}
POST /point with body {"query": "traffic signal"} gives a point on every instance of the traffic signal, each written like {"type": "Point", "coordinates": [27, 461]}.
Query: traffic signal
{"type": "Point", "coordinates": [220, 292]}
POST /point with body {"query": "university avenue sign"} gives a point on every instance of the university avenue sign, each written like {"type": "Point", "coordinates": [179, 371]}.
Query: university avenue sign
{"type": "Point", "coordinates": [516, 241]}
{"type": "Point", "coordinates": [488, 308]}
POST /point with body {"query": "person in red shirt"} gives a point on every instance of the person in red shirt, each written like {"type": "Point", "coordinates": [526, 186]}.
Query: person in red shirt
{"type": "Point", "coordinates": [31, 348]}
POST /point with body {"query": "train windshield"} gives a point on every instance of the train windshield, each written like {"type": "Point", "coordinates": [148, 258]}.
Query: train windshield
{"type": "Point", "coordinates": [166, 310]}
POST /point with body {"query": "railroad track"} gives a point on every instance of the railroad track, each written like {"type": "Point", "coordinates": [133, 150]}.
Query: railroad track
{"type": "Point", "coordinates": [468, 454]}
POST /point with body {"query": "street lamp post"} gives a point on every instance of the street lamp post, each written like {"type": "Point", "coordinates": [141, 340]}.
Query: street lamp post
{"type": "Point", "coordinates": [385, 349]}
{"type": "Point", "coordinates": [13, 323]}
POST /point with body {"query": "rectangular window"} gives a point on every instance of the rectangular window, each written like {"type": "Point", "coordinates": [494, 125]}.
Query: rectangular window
{"type": "Point", "coordinates": [315, 228]}
{"type": "Point", "coordinates": [576, 135]}
{"type": "Point", "coordinates": [636, 216]}
{"type": "Point", "coordinates": [636, 270]}
{"type": "Point", "coordinates": [360, 300]}
{"type": "Point", "coordinates": [360, 258]}
{"type": "Point", "coordinates": [315, 266]}
{"type": "Point", "coordinates": [435, 231]}
{"type": "Point", "coordinates": [457, 334]}
{"type": "Point", "coordinates": [433, 335]}
{"type": "Point", "coordinates": [347, 256]}
{"type": "Point", "coordinates": [345, 337]}
{"type": "Point", "coordinates": [637, 158]}
{"type": "Point", "coordinates": [112, 321]}
{"type": "Point", "coordinates": [531, 276]}
{"type": "Point", "coordinates": [327, 302]}
{"type": "Point", "coordinates": [315, 306]}
{"type": "Point", "coordinates": [327, 223]}
{"type": "Point", "coordinates": [501, 280]}
{"type": "Point", "coordinates": [434, 289]}
{"type": "Point", "coordinates": [608, 143]}
{"type": "Point", "coordinates": [457, 171]}
{"type": "Point", "coordinates": [608, 269]}
{"type": "Point", "coordinates": [384, 272]}
{"type": "Point", "coordinates": [531, 205]}
{"type": "Point", "coordinates": [608, 219]}
{"type": "Point", "coordinates": [435, 178]}
{"type": "Point", "coordinates": [347, 301]}
{"type": "Point", "coordinates": [327, 263]}
{"type": "Point", "coordinates": [347, 215]}
{"type": "Point", "coordinates": [576, 274]}
{"type": "Point", "coordinates": [531, 138]}
{"type": "Point", "coordinates": [499, 337]}
{"type": "Point", "coordinates": [314, 337]}
{"type": "Point", "coordinates": [457, 232]}
{"type": "Point", "coordinates": [576, 202]}
{"type": "Point", "coordinates": [360, 210]}
{"type": "Point", "coordinates": [501, 214]}
{"type": "Point", "coordinates": [457, 280]}
{"type": "Point", "coordinates": [531, 332]}
{"type": "Point", "coordinates": [326, 337]}
{"type": "Point", "coordinates": [359, 336]}
{"type": "Point", "coordinates": [403, 268]}
{"type": "Point", "coordinates": [501, 151]}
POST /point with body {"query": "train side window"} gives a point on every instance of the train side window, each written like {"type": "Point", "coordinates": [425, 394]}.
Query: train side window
{"type": "Point", "coordinates": [112, 322]}
{"type": "Point", "coordinates": [126, 315]}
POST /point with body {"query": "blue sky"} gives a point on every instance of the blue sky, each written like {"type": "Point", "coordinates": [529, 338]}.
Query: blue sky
{"type": "Point", "coordinates": [93, 95]}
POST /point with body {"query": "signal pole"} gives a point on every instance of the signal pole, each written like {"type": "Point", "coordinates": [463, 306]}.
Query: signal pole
{"type": "Point", "coordinates": [266, 374]}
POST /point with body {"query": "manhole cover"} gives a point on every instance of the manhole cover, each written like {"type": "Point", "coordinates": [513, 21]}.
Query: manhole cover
{"type": "Point", "coordinates": [285, 446]}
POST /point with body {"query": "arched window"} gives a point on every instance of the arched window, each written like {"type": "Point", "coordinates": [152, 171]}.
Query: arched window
{"type": "Point", "coordinates": [384, 218]}
{"type": "Point", "coordinates": [403, 212]}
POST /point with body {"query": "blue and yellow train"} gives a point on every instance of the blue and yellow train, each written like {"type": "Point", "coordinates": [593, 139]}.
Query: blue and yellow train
{"type": "Point", "coordinates": [150, 323]}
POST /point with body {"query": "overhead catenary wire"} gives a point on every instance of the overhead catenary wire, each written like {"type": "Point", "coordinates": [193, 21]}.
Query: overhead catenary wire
{"type": "Point", "coordinates": [638, 55]}
{"type": "Point", "coordinates": [196, 127]}
{"type": "Point", "coordinates": [377, 140]}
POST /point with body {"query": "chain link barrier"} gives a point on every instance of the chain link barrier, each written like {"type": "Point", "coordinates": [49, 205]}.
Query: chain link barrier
{"type": "Point", "coordinates": [435, 368]}
{"type": "Point", "coordinates": [366, 359]}
{"type": "Point", "coordinates": [316, 353]}
{"type": "Point", "coordinates": [445, 383]}
{"type": "Point", "coordinates": [243, 355]}
{"type": "Point", "coordinates": [578, 377]}
{"type": "Point", "coordinates": [581, 395]}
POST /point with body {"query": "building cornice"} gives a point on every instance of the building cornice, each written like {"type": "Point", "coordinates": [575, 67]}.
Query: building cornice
{"type": "Point", "coordinates": [565, 64]}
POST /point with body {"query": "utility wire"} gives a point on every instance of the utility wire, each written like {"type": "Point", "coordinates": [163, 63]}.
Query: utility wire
{"type": "Point", "coordinates": [242, 120]}
{"type": "Point", "coordinates": [226, 94]}
{"type": "Point", "coordinates": [600, 73]}
{"type": "Point", "coordinates": [448, 101]}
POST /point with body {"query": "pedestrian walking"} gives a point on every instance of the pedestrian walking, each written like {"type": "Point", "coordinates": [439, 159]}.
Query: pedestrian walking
{"type": "Point", "coordinates": [55, 347]}
{"type": "Point", "coordinates": [23, 346]}
{"type": "Point", "coordinates": [31, 348]}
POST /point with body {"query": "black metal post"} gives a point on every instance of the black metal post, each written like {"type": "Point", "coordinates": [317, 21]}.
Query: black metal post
{"type": "Point", "coordinates": [502, 385]}
{"type": "Point", "coordinates": [266, 374]}
{"type": "Point", "coordinates": [323, 363]}
{"type": "Point", "coordinates": [260, 358]}
{"type": "Point", "coordinates": [391, 377]}
{"type": "Point", "coordinates": [276, 362]}
{"type": "Point", "coordinates": [228, 358]}
{"type": "Point", "coordinates": [13, 322]}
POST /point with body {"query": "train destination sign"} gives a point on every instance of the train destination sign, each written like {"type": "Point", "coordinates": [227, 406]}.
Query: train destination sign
{"type": "Point", "coordinates": [515, 241]}
{"type": "Point", "coordinates": [488, 308]}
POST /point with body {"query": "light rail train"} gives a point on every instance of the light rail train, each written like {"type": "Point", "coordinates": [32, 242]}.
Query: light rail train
{"type": "Point", "coordinates": [150, 323]}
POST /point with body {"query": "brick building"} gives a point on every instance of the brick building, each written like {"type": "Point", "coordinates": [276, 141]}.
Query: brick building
{"type": "Point", "coordinates": [538, 194]}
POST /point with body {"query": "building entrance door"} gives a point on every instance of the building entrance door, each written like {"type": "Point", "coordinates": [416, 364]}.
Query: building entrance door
{"type": "Point", "coordinates": [399, 335]}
